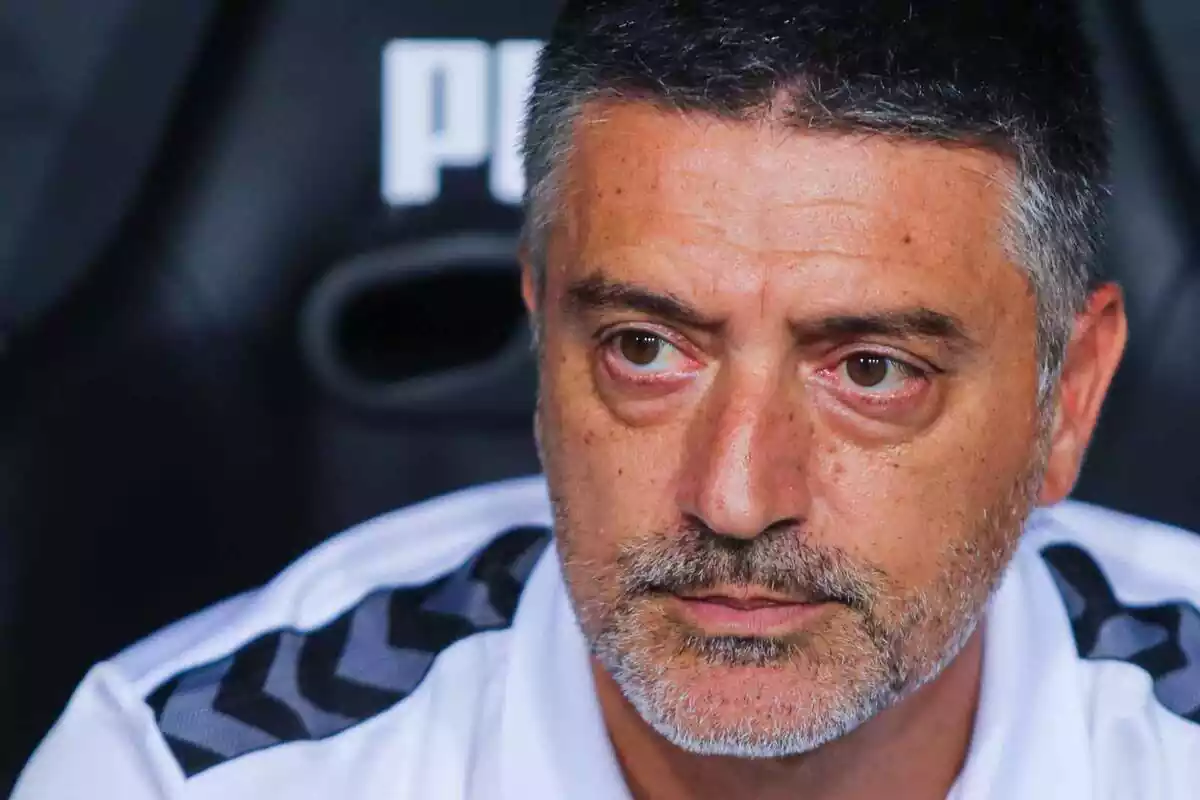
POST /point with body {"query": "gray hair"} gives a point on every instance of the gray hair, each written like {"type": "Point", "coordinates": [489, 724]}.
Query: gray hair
{"type": "Point", "coordinates": [1049, 232]}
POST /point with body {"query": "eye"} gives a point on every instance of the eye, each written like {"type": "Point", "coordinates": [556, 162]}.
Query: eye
{"type": "Point", "coordinates": [877, 374]}
{"type": "Point", "coordinates": [644, 352]}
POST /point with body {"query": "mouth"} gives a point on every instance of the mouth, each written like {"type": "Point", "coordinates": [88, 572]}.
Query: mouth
{"type": "Point", "coordinates": [746, 611]}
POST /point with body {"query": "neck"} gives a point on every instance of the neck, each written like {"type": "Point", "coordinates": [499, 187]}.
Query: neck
{"type": "Point", "coordinates": [911, 751]}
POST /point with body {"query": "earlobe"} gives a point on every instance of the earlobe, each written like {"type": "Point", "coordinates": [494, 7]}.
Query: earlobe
{"type": "Point", "coordinates": [1091, 360]}
{"type": "Point", "coordinates": [1062, 463]}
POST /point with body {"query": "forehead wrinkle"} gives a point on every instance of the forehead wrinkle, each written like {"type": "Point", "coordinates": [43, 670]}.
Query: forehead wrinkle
{"type": "Point", "coordinates": [657, 195]}
{"type": "Point", "coordinates": [710, 133]}
{"type": "Point", "coordinates": [755, 220]}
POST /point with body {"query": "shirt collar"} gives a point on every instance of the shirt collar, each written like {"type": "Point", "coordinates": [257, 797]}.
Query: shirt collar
{"type": "Point", "coordinates": [553, 740]}
{"type": "Point", "coordinates": [1030, 735]}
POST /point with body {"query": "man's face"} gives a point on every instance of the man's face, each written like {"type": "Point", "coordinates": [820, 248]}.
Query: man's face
{"type": "Point", "coordinates": [788, 416]}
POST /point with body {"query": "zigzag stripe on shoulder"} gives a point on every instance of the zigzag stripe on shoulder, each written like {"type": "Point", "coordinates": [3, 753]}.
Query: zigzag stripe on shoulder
{"type": "Point", "coordinates": [1163, 639]}
{"type": "Point", "coordinates": [289, 685]}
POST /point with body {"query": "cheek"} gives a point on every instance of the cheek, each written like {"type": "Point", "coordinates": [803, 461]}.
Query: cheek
{"type": "Point", "coordinates": [613, 481]}
{"type": "Point", "coordinates": [905, 508]}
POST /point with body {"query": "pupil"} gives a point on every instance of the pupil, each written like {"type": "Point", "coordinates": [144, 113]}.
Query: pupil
{"type": "Point", "coordinates": [640, 348]}
{"type": "Point", "coordinates": [867, 371]}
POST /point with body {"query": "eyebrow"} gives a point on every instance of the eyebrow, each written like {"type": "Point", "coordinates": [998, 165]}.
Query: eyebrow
{"type": "Point", "coordinates": [907, 323]}
{"type": "Point", "coordinates": [597, 293]}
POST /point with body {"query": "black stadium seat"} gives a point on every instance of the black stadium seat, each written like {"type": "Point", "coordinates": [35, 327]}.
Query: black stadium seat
{"type": "Point", "coordinates": [238, 312]}
{"type": "Point", "coordinates": [255, 350]}
{"type": "Point", "coordinates": [1145, 459]}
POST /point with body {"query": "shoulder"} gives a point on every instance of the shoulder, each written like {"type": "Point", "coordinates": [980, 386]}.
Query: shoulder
{"type": "Point", "coordinates": [1099, 551]}
{"type": "Point", "coordinates": [344, 636]}
{"type": "Point", "coordinates": [413, 546]}
{"type": "Point", "coordinates": [1131, 591]}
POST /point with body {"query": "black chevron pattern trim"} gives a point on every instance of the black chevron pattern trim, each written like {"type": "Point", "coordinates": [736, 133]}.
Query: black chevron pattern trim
{"type": "Point", "coordinates": [318, 680]}
{"type": "Point", "coordinates": [290, 685]}
{"type": "Point", "coordinates": [250, 667]}
{"type": "Point", "coordinates": [1163, 640]}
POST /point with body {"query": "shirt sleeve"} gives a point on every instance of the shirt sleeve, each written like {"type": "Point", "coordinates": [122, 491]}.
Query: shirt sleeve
{"type": "Point", "coordinates": [105, 745]}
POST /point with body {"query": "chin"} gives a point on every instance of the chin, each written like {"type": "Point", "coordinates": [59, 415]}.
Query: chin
{"type": "Point", "coordinates": [751, 712]}
{"type": "Point", "coordinates": [746, 710]}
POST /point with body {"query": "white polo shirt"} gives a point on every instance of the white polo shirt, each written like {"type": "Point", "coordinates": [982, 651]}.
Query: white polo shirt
{"type": "Point", "coordinates": [432, 654]}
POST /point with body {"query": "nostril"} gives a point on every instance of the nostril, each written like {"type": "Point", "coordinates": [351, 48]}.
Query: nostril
{"type": "Point", "coordinates": [783, 527]}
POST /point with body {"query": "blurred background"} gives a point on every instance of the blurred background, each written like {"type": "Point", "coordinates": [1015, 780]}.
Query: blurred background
{"type": "Point", "coordinates": [257, 284]}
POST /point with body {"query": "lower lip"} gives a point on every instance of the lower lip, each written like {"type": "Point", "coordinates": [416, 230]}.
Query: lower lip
{"type": "Point", "coordinates": [719, 619]}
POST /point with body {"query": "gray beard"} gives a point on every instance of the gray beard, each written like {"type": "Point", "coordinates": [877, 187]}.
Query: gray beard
{"type": "Point", "coordinates": [848, 684]}
{"type": "Point", "coordinates": [789, 727]}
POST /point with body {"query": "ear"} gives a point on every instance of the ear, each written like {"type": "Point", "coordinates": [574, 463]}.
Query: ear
{"type": "Point", "coordinates": [1092, 357]}
{"type": "Point", "coordinates": [529, 289]}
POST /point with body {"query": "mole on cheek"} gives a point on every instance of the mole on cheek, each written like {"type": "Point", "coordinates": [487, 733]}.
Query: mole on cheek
{"type": "Point", "coordinates": [907, 238]}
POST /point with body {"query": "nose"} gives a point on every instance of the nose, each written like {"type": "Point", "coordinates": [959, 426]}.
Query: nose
{"type": "Point", "coordinates": [748, 446]}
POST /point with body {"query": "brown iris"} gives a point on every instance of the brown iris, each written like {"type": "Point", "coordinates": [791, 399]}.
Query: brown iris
{"type": "Point", "coordinates": [867, 371]}
{"type": "Point", "coordinates": [639, 348]}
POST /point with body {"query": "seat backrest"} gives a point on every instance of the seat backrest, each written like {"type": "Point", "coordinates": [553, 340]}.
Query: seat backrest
{"type": "Point", "coordinates": [1144, 456]}
{"type": "Point", "coordinates": [267, 349]}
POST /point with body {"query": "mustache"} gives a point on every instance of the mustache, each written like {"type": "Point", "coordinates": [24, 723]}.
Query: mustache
{"type": "Point", "coordinates": [694, 558]}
